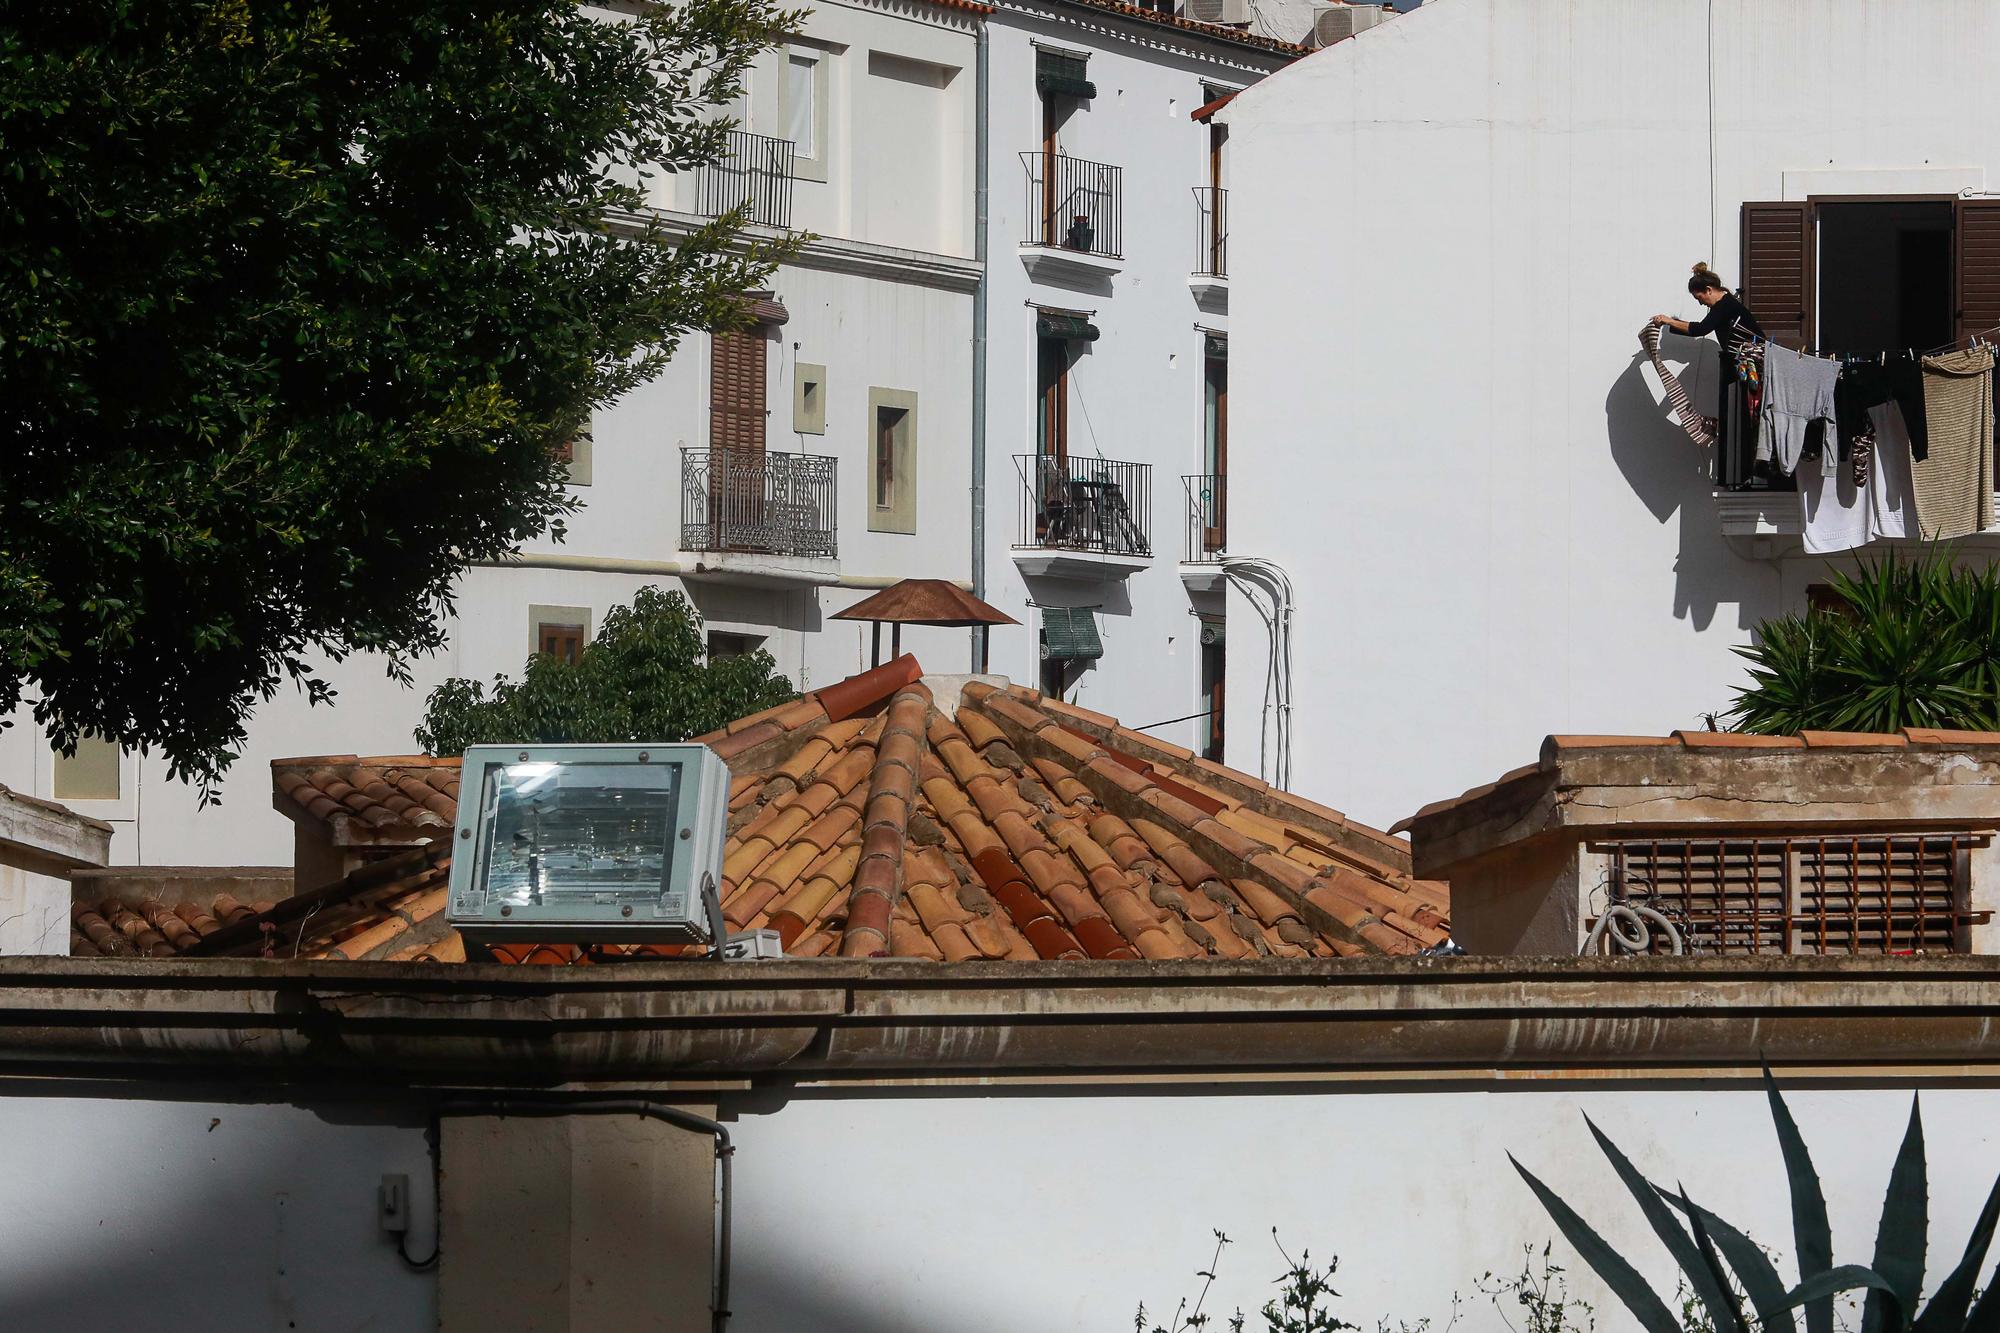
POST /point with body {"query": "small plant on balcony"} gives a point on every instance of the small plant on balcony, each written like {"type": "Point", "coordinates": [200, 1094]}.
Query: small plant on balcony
{"type": "Point", "coordinates": [1081, 233]}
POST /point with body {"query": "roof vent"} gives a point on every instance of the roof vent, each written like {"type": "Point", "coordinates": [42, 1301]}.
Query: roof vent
{"type": "Point", "coordinates": [598, 844]}
{"type": "Point", "coordinates": [1229, 13]}
{"type": "Point", "coordinates": [1336, 23]}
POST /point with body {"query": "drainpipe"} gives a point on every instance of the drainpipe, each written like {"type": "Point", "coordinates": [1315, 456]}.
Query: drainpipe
{"type": "Point", "coordinates": [981, 634]}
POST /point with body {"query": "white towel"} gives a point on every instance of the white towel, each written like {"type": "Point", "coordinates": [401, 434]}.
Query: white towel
{"type": "Point", "coordinates": [1840, 517]}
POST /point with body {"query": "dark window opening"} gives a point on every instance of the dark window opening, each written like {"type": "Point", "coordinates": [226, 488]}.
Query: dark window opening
{"type": "Point", "coordinates": [1052, 399]}
{"type": "Point", "coordinates": [563, 641]}
{"type": "Point", "coordinates": [1212, 671]}
{"type": "Point", "coordinates": [1885, 275]}
{"type": "Point", "coordinates": [722, 645]}
{"type": "Point", "coordinates": [888, 422]}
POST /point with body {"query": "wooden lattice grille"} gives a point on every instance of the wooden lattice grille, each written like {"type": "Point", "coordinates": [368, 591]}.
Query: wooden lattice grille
{"type": "Point", "coordinates": [1902, 893]}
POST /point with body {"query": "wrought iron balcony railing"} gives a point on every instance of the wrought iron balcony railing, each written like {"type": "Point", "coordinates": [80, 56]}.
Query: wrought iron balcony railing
{"type": "Point", "coordinates": [1085, 504]}
{"type": "Point", "coordinates": [755, 170]}
{"type": "Point", "coordinates": [755, 502]}
{"type": "Point", "coordinates": [1074, 204]}
{"type": "Point", "coordinates": [1205, 496]}
{"type": "Point", "coordinates": [1211, 231]}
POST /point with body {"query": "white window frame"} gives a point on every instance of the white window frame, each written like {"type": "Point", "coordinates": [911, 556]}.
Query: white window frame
{"type": "Point", "coordinates": [812, 167]}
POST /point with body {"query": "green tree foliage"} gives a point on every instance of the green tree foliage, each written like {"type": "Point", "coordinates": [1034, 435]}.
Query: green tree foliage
{"type": "Point", "coordinates": [1916, 644]}
{"type": "Point", "coordinates": [1726, 1270]}
{"type": "Point", "coordinates": [297, 297]}
{"type": "Point", "coordinates": [645, 677]}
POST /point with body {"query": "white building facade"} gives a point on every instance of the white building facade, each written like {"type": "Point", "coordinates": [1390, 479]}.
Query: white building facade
{"type": "Point", "coordinates": [1447, 233]}
{"type": "Point", "coordinates": [1106, 354]}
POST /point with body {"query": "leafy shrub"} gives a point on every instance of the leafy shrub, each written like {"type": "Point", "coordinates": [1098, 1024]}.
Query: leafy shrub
{"type": "Point", "coordinates": [645, 677]}
{"type": "Point", "coordinates": [1916, 643]}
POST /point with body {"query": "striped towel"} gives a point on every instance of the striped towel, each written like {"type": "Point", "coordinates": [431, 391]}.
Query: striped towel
{"type": "Point", "coordinates": [1954, 482]}
{"type": "Point", "coordinates": [1702, 430]}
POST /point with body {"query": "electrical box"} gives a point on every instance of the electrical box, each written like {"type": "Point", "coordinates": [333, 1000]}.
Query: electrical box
{"type": "Point", "coordinates": [589, 844]}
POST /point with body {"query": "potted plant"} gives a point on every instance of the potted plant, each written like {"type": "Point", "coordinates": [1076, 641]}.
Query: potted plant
{"type": "Point", "coordinates": [1081, 232]}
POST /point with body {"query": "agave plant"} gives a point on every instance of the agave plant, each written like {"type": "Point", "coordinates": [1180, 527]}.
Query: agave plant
{"type": "Point", "coordinates": [1710, 1252]}
{"type": "Point", "coordinates": [1915, 643]}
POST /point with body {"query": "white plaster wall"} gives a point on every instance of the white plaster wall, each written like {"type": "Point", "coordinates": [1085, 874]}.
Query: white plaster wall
{"type": "Point", "coordinates": [174, 1215]}
{"type": "Point", "coordinates": [1446, 234]}
{"type": "Point", "coordinates": [1136, 393]}
{"type": "Point", "coordinates": [1018, 1213]}
{"type": "Point", "coordinates": [34, 912]}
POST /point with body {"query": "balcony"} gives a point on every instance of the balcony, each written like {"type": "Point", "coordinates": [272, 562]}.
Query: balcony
{"type": "Point", "coordinates": [754, 173]}
{"type": "Point", "coordinates": [1202, 545]}
{"type": "Point", "coordinates": [1209, 281]}
{"type": "Point", "coordinates": [1075, 210]}
{"type": "Point", "coordinates": [1083, 518]}
{"type": "Point", "coordinates": [760, 518]}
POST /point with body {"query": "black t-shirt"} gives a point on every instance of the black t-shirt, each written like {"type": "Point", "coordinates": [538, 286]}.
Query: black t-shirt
{"type": "Point", "coordinates": [1732, 324]}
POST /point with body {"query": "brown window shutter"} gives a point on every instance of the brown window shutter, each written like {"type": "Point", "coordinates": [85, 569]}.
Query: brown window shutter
{"type": "Point", "coordinates": [736, 391]}
{"type": "Point", "coordinates": [1978, 230]}
{"type": "Point", "coordinates": [1778, 270]}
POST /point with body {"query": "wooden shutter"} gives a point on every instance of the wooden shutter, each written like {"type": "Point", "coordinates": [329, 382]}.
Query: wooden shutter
{"type": "Point", "coordinates": [1778, 270]}
{"type": "Point", "coordinates": [736, 381]}
{"type": "Point", "coordinates": [1805, 894]}
{"type": "Point", "coordinates": [1978, 298]}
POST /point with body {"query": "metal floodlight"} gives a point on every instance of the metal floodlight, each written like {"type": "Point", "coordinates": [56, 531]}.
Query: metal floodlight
{"type": "Point", "coordinates": [598, 844]}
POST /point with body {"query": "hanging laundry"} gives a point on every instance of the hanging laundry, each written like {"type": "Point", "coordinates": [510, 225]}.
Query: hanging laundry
{"type": "Point", "coordinates": [1841, 512]}
{"type": "Point", "coordinates": [1954, 480]}
{"type": "Point", "coordinates": [1862, 385]}
{"type": "Point", "coordinates": [1700, 429]}
{"type": "Point", "coordinates": [1906, 386]}
{"type": "Point", "coordinates": [1797, 390]}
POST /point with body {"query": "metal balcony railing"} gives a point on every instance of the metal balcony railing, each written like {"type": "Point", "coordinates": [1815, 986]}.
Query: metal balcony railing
{"type": "Point", "coordinates": [1074, 204]}
{"type": "Point", "coordinates": [755, 170]}
{"type": "Point", "coordinates": [1211, 231]}
{"type": "Point", "coordinates": [1085, 504]}
{"type": "Point", "coordinates": [1205, 496]}
{"type": "Point", "coordinates": [755, 502]}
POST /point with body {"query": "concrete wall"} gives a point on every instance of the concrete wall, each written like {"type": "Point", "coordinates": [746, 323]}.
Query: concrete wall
{"type": "Point", "coordinates": [1017, 1212]}
{"type": "Point", "coordinates": [1447, 233]}
{"type": "Point", "coordinates": [157, 1216]}
{"type": "Point", "coordinates": [1136, 395]}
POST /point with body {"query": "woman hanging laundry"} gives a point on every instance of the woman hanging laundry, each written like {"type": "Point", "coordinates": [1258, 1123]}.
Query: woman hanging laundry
{"type": "Point", "coordinates": [1728, 319]}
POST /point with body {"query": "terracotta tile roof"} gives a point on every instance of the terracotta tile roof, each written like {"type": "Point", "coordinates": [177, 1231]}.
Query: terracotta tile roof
{"type": "Point", "coordinates": [1713, 743]}
{"type": "Point", "coordinates": [394, 800]}
{"type": "Point", "coordinates": [1237, 35]}
{"type": "Point", "coordinates": [864, 821]}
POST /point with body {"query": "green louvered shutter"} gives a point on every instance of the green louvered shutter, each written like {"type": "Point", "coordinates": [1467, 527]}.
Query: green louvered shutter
{"type": "Point", "coordinates": [1070, 635]}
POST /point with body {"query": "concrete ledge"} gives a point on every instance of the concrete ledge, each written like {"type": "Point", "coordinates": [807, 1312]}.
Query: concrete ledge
{"type": "Point", "coordinates": [49, 839]}
{"type": "Point", "coordinates": [445, 1026]}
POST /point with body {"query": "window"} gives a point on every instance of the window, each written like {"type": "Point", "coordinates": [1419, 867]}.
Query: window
{"type": "Point", "coordinates": [1060, 81]}
{"type": "Point", "coordinates": [723, 645]}
{"type": "Point", "coordinates": [892, 480]}
{"type": "Point", "coordinates": [91, 774]}
{"type": "Point", "coordinates": [1872, 275]}
{"type": "Point", "coordinates": [559, 631]}
{"type": "Point", "coordinates": [1865, 893]}
{"type": "Point", "coordinates": [576, 451]}
{"type": "Point", "coordinates": [1215, 433]}
{"type": "Point", "coordinates": [808, 399]}
{"type": "Point", "coordinates": [805, 110]}
{"type": "Point", "coordinates": [736, 387]}
{"type": "Point", "coordinates": [1212, 673]}
{"type": "Point", "coordinates": [1052, 398]}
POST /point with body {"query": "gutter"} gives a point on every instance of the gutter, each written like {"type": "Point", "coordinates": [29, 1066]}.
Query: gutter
{"type": "Point", "coordinates": [458, 1028]}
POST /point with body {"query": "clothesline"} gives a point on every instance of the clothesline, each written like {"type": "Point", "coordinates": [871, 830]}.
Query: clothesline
{"type": "Point", "coordinates": [1975, 336]}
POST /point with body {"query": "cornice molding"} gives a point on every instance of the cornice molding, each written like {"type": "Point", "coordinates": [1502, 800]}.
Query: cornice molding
{"type": "Point", "coordinates": [831, 253]}
{"type": "Point", "coordinates": [1223, 52]}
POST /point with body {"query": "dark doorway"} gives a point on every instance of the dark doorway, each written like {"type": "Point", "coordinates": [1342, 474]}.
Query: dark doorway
{"type": "Point", "coordinates": [1885, 279]}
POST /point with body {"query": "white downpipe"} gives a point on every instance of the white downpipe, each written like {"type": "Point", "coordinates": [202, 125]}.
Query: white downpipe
{"type": "Point", "coordinates": [1274, 743]}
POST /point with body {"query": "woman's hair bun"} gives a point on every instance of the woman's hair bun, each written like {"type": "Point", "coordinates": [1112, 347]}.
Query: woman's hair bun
{"type": "Point", "coordinates": [1701, 266]}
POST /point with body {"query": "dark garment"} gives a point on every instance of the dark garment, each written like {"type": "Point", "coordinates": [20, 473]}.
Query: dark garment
{"type": "Point", "coordinates": [1733, 325]}
{"type": "Point", "coordinates": [1863, 384]}
{"type": "Point", "coordinates": [1906, 385]}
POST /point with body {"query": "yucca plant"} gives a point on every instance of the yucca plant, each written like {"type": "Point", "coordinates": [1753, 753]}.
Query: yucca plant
{"type": "Point", "coordinates": [1915, 643]}
{"type": "Point", "coordinates": [1710, 1252]}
